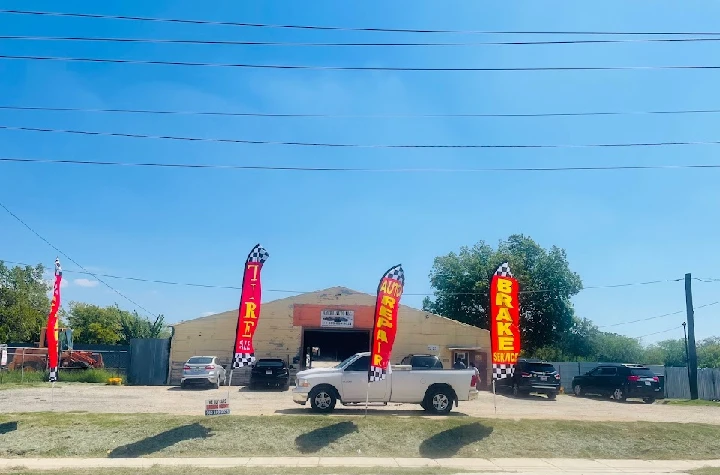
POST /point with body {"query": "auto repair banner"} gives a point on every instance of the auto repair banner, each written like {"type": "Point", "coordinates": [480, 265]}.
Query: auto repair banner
{"type": "Point", "coordinates": [51, 330]}
{"type": "Point", "coordinates": [249, 311]}
{"type": "Point", "coordinates": [386, 322]}
{"type": "Point", "coordinates": [504, 322]}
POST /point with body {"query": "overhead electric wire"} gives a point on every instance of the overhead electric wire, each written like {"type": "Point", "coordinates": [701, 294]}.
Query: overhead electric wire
{"type": "Point", "coordinates": [354, 145]}
{"type": "Point", "coordinates": [344, 44]}
{"type": "Point", "coordinates": [659, 316]}
{"type": "Point", "coordinates": [356, 116]}
{"type": "Point", "coordinates": [17, 218]}
{"type": "Point", "coordinates": [361, 170]}
{"type": "Point", "coordinates": [307, 67]}
{"type": "Point", "coordinates": [233, 287]}
{"type": "Point", "coordinates": [340, 28]}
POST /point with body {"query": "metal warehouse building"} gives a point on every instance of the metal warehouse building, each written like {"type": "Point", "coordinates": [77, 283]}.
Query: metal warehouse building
{"type": "Point", "coordinates": [331, 325]}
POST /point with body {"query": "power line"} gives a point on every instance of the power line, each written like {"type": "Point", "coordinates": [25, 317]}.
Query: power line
{"type": "Point", "coordinates": [658, 316]}
{"type": "Point", "coordinates": [354, 145]}
{"type": "Point", "coordinates": [95, 39]}
{"type": "Point", "coordinates": [73, 260]}
{"type": "Point", "coordinates": [232, 287]}
{"type": "Point", "coordinates": [359, 170]}
{"type": "Point", "coordinates": [306, 67]}
{"type": "Point", "coordinates": [658, 333]}
{"type": "Point", "coordinates": [356, 116]}
{"type": "Point", "coordinates": [339, 28]}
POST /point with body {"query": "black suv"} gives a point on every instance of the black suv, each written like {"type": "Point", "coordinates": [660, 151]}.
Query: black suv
{"type": "Point", "coordinates": [532, 376]}
{"type": "Point", "coordinates": [269, 372]}
{"type": "Point", "coordinates": [621, 381]}
{"type": "Point", "coordinates": [422, 362]}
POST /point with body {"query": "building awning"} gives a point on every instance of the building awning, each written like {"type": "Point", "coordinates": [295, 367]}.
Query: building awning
{"type": "Point", "coordinates": [466, 348]}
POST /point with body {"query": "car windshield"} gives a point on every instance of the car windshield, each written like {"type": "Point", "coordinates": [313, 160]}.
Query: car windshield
{"type": "Point", "coordinates": [200, 360]}
{"type": "Point", "coordinates": [541, 367]}
{"type": "Point", "coordinates": [643, 372]}
{"type": "Point", "coordinates": [343, 364]}
{"type": "Point", "coordinates": [270, 364]}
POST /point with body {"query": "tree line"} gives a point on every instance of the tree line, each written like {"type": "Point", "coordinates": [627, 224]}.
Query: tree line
{"type": "Point", "coordinates": [24, 306]}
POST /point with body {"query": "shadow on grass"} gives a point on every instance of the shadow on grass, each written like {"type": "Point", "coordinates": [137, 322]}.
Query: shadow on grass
{"type": "Point", "coordinates": [161, 441]}
{"type": "Point", "coordinates": [449, 442]}
{"type": "Point", "coordinates": [315, 440]}
{"type": "Point", "coordinates": [7, 427]}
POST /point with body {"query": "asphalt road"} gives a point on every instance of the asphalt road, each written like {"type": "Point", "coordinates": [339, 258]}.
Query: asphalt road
{"type": "Point", "coordinates": [172, 400]}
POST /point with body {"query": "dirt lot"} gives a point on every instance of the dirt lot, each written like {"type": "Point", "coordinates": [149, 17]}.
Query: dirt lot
{"type": "Point", "coordinates": [172, 400]}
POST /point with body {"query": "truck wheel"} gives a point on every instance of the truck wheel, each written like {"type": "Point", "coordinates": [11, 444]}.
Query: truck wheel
{"type": "Point", "coordinates": [578, 391]}
{"type": "Point", "coordinates": [619, 395]}
{"type": "Point", "coordinates": [322, 399]}
{"type": "Point", "coordinates": [440, 401]}
{"type": "Point", "coordinates": [552, 396]}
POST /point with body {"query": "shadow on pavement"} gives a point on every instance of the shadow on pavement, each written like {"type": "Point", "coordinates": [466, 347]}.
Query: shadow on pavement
{"type": "Point", "coordinates": [161, 441]}
{"type": "Point", "coordinates": [360, 411]}
{"type": "Point", "coordinates": [7, 427]}
{"type": "Point", "coordinates": [315, 440]}
{"type": "Point", "coordinates": [449, 442]}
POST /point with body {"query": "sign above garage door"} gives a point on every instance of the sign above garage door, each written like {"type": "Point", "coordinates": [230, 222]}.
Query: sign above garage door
{"type": "Point", "coordinates": [337, 318]}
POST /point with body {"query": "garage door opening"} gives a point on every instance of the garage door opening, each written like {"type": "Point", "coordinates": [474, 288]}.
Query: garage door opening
{"type": "Point", "coordinates": [330, 346]}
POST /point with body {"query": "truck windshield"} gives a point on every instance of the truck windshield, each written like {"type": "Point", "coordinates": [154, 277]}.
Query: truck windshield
{"type": "Point", "coordinates": [343, 364]}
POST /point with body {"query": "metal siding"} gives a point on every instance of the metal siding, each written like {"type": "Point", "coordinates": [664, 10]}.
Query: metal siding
{"type": "Point", "coordinates": [149, 360]}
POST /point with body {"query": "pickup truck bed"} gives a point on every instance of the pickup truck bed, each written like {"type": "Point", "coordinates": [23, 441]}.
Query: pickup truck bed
{"type": "Point", "coordinates": [435, 390]}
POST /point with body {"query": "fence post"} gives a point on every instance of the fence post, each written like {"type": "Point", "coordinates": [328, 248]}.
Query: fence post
{"type": "Point", "coordinates": [22, 368]}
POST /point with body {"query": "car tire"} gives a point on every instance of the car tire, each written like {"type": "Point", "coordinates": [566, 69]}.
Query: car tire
{"type": "Point", "coordinates": [619, 395]}
{"type": "Point", "coordinates": [649, 400]}
{"type": "Point", "coordinates": [183, 385]}
{"type": "Point", "coordinates": [216, 385]}
{"type": "Point", "coordinates": [516, 391]}
{"type": "Point", "coordinates": [552, 396]}
{"type": "Point", "coordinates": [322, 399]}
{"type": "Point", "coordinates": [578, 391]}
{"type": "Point", "coordinates": [439, 401]}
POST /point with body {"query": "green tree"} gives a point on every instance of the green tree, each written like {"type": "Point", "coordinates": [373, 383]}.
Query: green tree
{"type": "Point", "coordinates": [578, 343]}
{"type": "Point", "coordinates": [667, 352]}
{"type": "Point", "coordinates": [614, 348]}
{"type": "Point", "coordinates": [708, 351]}
{"type": "Point", "coordinates": [93, 324]}
{"type": "Point", "coordinates": [24, 303]}
{"type": "Point", "coordinates": [134, 326]}
{"type": "Point", "coordinates": [460, 282]}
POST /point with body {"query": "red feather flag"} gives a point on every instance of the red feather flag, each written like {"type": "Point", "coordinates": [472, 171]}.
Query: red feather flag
{"type": "Point", "coordinates": [386, 322]}
{"type": "Point", "coordinates": [504, 322]}
{"type": "Point", "coordinates": [249, 311]}
{"type": "Point", "coordinates": [51, 332]}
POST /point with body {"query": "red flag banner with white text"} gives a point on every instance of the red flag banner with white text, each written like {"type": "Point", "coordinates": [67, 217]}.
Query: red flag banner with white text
{"type": "Point", "coordinates": [51, 330]}
{"type": "Point", "coordinates": [386, 322]}
{"type": "Point", "coordinates": [249, 311]}
{"type": "Point", "coordinates": [504, 322]}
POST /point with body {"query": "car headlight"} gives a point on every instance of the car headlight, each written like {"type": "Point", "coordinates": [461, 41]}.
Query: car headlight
{"type": "Point", "coordinates": [302, 383]}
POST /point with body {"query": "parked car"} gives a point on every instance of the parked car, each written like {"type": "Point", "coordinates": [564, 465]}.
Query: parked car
{"type": "Point", "coordinates": [532, 376]}
{"type": "Point", "coordinates": [435, 390]}
{"type": "Point", "coordinates": [422, 362]}
{"type": "Point", "coordinates": [269, 372]}
{"type": "Point", "coordinates": [203, 370]}
{"type": "Point", "coordinates": [620, 381]}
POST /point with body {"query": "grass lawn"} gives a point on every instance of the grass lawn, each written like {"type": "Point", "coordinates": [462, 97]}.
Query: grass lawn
{"type": "Point", "coordinates": [689, 402]}
{"type": "Point", "coordinates": [160, 435]}
{"type": "Point", "coordinates": [706, 471]}
{"type": "Point", "coordinates": [247, 471]}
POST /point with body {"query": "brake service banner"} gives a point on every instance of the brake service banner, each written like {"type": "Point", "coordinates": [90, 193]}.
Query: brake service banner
{"type": "Point", "coordinates": [51, 329]}
{"type": "Point", "coordinates": [385, 327]}
{"type": "Point", "coordinates": [249, 311]}
{"type": "Point", "coordinates": [504, 322]}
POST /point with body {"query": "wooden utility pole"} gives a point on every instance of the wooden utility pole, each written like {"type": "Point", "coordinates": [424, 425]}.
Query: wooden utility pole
{"type": "Point", "coordinates": [692, 350]}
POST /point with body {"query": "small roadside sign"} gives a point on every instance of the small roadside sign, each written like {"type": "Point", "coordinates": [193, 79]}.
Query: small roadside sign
{"type": "Point", "coordinates": [217, 407]}
{"type": "Point", "coordinates": [3, 355]}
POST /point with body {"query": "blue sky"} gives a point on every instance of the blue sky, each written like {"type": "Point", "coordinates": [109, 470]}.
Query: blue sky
{"type": "Point", "coordinates": [327, 229]}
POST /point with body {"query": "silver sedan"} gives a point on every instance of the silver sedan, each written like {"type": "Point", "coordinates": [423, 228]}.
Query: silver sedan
{"type": "Point", "coordinates": [203, 370]}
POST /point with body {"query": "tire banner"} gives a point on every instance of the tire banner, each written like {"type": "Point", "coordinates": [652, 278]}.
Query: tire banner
{"type": "Point", "coordinates": [51, 330]}
{"type": "Point", "coordinates": [386, 322]}
{"type": "Point", "coordinates": [504, 322]}
{"type": "Point", "coordinates": [249, 310]}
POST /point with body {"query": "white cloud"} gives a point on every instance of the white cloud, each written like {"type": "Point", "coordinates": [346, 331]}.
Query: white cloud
{"type": "Point", "coordinates": [85, 282]}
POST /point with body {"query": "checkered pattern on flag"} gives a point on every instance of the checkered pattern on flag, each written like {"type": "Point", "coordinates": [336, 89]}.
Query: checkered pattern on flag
{"type": "Point", "coordinates": [504, 322]}
{"type": "Point", "coordinates": [52, 325]}
{"type": "Point", "coordinates": [387, 306]}
{"type": "Point", "coordinates": [249, 310]}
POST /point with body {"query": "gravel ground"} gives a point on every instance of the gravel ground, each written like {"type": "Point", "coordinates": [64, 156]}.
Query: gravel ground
{"type": "Point", "coordinates": [171, 400]}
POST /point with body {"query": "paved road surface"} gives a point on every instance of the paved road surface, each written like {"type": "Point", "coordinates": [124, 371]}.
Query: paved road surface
{"type": "Point", "coordinates": [161, 399]}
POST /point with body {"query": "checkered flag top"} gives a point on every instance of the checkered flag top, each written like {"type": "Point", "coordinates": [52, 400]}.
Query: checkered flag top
{"type": "Point", "coordinates": [396, 273]}
{"type": "Point", "coordinates": [504, 270]}
{"type": "Point", "coordinates": [58, 269]}
{"type": "Point", "coordinates": [258, 254]}
{"type": "Point", "coordinates": [243, 359]}
{"type": "Point", "coordinates": [501, 371]}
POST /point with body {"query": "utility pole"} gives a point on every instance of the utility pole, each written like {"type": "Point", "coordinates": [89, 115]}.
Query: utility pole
{"type": "Point", "coordinates": [687, 355]}
{"type": "Point", "coordinates": [692, 350]}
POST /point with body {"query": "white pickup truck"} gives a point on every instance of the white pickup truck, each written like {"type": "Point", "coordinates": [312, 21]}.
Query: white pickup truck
{"type": "Point", "coordinates": [435, 390]}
